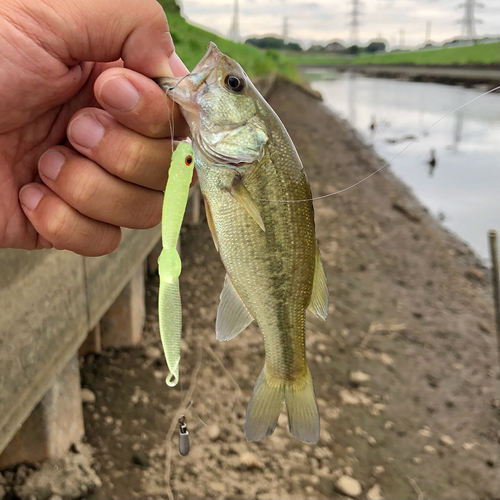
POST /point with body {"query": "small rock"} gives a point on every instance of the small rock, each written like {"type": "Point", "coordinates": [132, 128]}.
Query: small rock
{"type": "Point", "coordinates": [474, 275]}
{"type": "Point", "coordinates": [429, 449]}
{"type": "Point", "coordinates": [359, 378]}
{"type": "Point", "coordinates": [416, 460]}
{"type": "Point", "coordinates": [377, 408]}
{"type": "Point", "coordinates": [184, 346]}
{"type": "Point", "coordinates": [378, 470]}
{"type": "Point", "coordinates": [213, 432]}
{"type": "Point", "coordinates": [446, 441]}
{"type": "Point", "coordinates": [348, 471]}
{"type": "Point", "coordinates": [371, 440]}
{"type": "Point", "coordinates": [88, 397]}
{"type": "Point", "coordinates": [249, 460]}
{"type": "Point", "coordinates": [348, 486]}
{"type": "Point", "coordinates": [159, 374]}
{"type": "Point", "coordinates": [374, 493]}
{"type": "Point", "coordinates": [425, 432]}
{"type": "Point", "coordinates": [153, 353]}
{"type": "Point", "coordinates": [140, 459]}
{"type": "Point", "coordinates": [108, 420]}
{"type": "Point", "coordinates": [386, 359]}
{"type": "Point", "coordinates": [350, 450]}
{"type": "Point", "coordinates": [469, 446]}
{"type": "Point", "coordinates": [388, 425]}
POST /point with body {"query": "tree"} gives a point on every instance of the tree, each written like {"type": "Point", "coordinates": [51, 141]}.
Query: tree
{"type": "Point", "coordinates": [294, 46]}
{"type": "Point", "coordinates": [267, 42]}
{"type": "Point", "coordinates": [375, 47]}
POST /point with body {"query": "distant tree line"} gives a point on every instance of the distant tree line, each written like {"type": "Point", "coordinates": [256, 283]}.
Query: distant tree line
{"type": "Point", "coordinates": [276, 43]}
{"type": "Point", "coordinates": [272, 42]}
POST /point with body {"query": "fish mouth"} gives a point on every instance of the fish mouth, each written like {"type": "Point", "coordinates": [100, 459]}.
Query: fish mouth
{"type": "Point", "coordinates": [192, 81]}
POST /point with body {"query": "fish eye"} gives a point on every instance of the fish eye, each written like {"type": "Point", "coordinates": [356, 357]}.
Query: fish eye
{"type": "Point", "coordinates": [234, 83]}
{"type": "Point", "coordinates": [189, 160]}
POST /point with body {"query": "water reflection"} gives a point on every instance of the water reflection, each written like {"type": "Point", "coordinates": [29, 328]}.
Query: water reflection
{"type": "Point", "coordinates": [454, 167]}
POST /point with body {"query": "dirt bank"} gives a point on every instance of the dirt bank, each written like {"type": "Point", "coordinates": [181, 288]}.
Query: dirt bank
{"type": "Point", "coordinates": [410, 307]}
{"type": "Point", "coordinates": [486, 77]}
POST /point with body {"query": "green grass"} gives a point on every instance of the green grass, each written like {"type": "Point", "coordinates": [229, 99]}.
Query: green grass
{"type": "Point", "coordinates": [484, 54]}
{"type": "Point", "coordinates": [191, 44]}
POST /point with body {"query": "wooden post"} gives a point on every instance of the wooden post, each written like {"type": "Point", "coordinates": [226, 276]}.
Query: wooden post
{"type": "Point", "coordinates": [495, 279]}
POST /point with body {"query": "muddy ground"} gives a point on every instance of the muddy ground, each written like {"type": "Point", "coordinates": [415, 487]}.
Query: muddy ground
{"type": "Point", "coordinates": [410, 307]}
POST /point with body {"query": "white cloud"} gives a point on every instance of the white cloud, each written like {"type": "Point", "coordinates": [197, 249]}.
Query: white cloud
{"type": "Point", "coordinates": [322, 20]}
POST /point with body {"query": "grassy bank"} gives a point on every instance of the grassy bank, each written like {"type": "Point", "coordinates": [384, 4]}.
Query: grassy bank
{"type": "Point", "coordinates": [191, 44]}
{"type": "Point", "coordinates": [485, 54]}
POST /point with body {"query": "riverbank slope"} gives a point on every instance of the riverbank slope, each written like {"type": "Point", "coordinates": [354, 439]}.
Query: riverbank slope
{"type": "Point", "coordinates": [409, 306]}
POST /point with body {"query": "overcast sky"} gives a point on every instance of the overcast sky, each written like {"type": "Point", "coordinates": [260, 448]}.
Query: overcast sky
{"type": "Point", "coordinates": [324, 20]}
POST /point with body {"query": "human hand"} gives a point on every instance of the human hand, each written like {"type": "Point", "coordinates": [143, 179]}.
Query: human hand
{"type": "Point", "coordinates": [84, 146]}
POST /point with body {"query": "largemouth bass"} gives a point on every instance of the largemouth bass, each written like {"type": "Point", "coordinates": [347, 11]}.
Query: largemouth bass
{"type": "Point", "coordinates": [250, 174]}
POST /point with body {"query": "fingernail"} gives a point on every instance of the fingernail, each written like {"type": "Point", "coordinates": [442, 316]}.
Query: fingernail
{"type": "Point", "coordinates": [86, 131]}
{"type": "Point", "coordinates": [119, 93]}
{"type": "Point", "coordinates": [177, 66]}
{"type": "Point", "coordinates": [30, 196]}
{"type": "Point", "coordinates": [50, 163]}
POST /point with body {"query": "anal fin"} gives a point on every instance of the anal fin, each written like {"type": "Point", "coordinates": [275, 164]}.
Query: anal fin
{"type": "Point", "coordinates": [319, 298]}
{"type": "Point", "coordinates": [232, 315]}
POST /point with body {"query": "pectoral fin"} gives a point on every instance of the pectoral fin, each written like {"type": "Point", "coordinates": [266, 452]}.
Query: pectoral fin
{"type": "Point", "coordinates": [244, 198]}
{"type": "Point", "coordinates": [211, 224]}
{"type": "Point", "coordinates": [319, 297]}
{"type": "Point", "coordinates": [232, 315]}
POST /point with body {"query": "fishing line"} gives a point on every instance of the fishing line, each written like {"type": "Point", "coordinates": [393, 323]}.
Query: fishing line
{"type": "Point", "coordinates": [390, 161]}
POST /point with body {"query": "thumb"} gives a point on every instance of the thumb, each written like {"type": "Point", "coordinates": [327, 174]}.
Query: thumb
{"type": "Point", "coordinates": [106, 30]}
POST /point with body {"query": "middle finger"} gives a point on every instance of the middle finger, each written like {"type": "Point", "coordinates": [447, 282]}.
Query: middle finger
{"type": "Point", "coordinates": [122, 152]}
{"type": "Point", "coordinates": [92, 191]}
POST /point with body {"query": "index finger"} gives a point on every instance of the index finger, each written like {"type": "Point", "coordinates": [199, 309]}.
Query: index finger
{"type": "Point", "coordinates": [139, 103]}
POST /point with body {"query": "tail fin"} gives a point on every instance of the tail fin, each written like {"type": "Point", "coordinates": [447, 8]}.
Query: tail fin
{"type": "Point", "coordinates": [265, 406]}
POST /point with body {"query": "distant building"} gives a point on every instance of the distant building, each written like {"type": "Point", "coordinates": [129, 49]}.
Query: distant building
{"type": "Point", "coordinates": [335, 47]}
{"type": "Point", "coordinates": [463, 42]}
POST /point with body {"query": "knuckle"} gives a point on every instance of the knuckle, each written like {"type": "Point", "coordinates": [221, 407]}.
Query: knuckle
{"type": "Point", "coordinates": [152, 216]}
{"type": "Point", "coordinates": [128, 159]}
{"type": "Point", "coordinates": [84, 190]}
{"type": "Point", "coordinates": [57, 226]}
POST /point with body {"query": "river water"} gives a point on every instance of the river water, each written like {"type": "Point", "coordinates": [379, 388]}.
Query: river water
{"type": "Point", "coordinates": [463, 187]}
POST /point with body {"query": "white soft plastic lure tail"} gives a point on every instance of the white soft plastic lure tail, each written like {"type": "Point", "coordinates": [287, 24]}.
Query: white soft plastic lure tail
{"type": "Point", "coordinates": [169, 262]}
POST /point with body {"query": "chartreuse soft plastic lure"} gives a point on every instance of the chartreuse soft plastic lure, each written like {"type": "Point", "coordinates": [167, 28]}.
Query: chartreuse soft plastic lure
{"type": "Point", "coordinates": [169, 262]}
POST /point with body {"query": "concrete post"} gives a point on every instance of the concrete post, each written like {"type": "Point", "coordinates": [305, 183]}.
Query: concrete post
{"type": "Point", "coordinates": [122, 325]}
{"type": "Point", "coordinates": [53, 426]}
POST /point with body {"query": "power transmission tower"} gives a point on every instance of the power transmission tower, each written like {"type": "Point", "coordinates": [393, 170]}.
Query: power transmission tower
{"type": "Point", "coordinates": [354, 22]}
{"type": "Point", "coordinates": [428, 29]}
{"type": "Point", "coordinates": [234, 30]}
{"type": "Point", "coordinates": [285, 32]}
{"type": "Point", "coordinates": [469, 20]}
